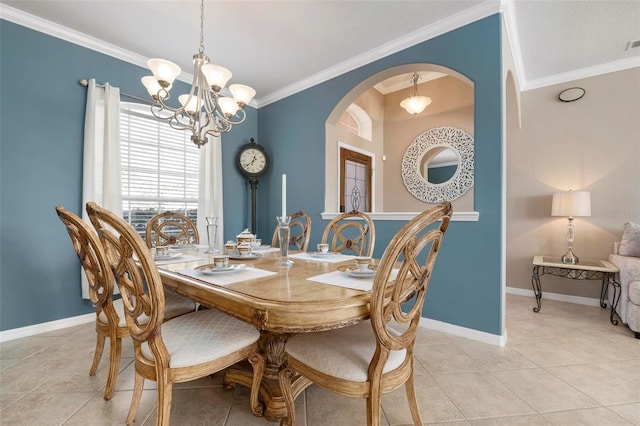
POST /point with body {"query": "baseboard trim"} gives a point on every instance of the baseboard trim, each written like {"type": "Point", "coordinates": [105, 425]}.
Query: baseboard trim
{"type": "Point", "coordinates": [469, 333]}
{"type": "Point", "coordinates": [578, 300]}
{"type": "Point", "coordinates": [32, 330]}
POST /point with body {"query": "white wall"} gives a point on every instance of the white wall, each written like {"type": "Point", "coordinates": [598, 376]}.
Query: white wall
{"type": "Point", "coordinates": [592, 144]}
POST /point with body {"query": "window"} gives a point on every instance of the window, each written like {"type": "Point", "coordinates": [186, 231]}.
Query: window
{"type": "Point", "coordinates": [349, 124]}
{"type": "Point", "coordinates": [160, 167]}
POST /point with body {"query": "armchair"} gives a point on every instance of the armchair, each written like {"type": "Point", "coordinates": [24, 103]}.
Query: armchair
{"type": "Point", "coordinates": [626, 257]}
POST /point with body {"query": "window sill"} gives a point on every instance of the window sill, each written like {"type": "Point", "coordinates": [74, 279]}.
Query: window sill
{"type": "Point", "coordinates": [456, 217]}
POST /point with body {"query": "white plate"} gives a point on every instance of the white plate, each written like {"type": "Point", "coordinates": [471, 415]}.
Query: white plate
{"type": "Point", "coordinates": [261, 248]}
{"type": "Point", "coordinates": [354, 272]}
{"type": "Point", "coordinates": [212, 269]}
{"type": "Point", "coordinates": [327, 254]}
{"type": "Point", "coordinates": [168, 256]}
{"type": "Point", "coordinates": [247, 257]}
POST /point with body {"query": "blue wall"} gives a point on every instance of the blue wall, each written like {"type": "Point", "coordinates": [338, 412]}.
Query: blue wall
{"type": "Point", "coordinates": [465, 289]}
{"type": "Point", "coordinates": [41, 166]}
{"type": "Point", "coordinates": [41, 137]}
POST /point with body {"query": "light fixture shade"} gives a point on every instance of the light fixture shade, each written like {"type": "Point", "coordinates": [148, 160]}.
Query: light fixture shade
{"type": "Point", "coordinates": [192, 104]}
{"type": "Point", "coordinates": [229, 106]}
{"type": "Point", "coordinates": [242, 94]}
{"type": "Point", "coordinates": [571, 203]}
{"type": "Point", "coordinates": [163, 70]}
{"type": "Point", "coordinates": [415, 104]}
{"type": "Point", "coordinates": [153, 87]}
{"type": "Point", "coordinates": [216, 76]}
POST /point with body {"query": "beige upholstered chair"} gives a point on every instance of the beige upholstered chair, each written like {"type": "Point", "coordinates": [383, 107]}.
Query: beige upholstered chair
{"type": "Point", "coordinates": [353, 232]}
{"type": "Point", "coordinates": [170, 228]}
{"type": "Point", "coordinates": [110, 321]}
{"type": "Point", "coordinates": [182, 349]}
{"type": "Point", "coordinates": [300, 232]}
{"type": "Point", "coordinates": [375, 356]}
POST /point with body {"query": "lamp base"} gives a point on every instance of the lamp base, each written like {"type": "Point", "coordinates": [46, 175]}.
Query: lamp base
{"type": "Point", "coordinates": [569, 257]}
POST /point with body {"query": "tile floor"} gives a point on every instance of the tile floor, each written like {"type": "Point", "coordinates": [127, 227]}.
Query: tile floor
{"type": "Point", "coordinates": [566, 365]}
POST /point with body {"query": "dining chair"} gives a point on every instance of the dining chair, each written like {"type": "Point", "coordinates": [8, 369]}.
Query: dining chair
{"type": "Point", "coordinates": [353, 232]}
{"type": "Point", "coordinates": [185, 348]}
{"type": "Point", "coordinates": [110, 320]}
{"type": "Point", "coordinates": [299, 232]}
{"type": "Point", "coordinates": [170, 228]}
{"type": "Point", "coordinates": [375, 356]}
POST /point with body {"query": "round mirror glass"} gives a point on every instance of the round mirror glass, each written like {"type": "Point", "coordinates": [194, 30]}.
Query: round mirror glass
{"type": "Point", "coordinates": [439, 165]}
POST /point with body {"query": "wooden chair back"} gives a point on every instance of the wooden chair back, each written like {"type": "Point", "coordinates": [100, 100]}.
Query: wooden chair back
{"type": "Point", "coordinates": [299, 234]}
{"type": "Point", "coordinates": [170, 228]}
{"type": "Point", "coordinates": [133, 267]}
{"type": "Point", "coordinates": [397, 299]}
{"type": "Point", "coordinates": [97, 269]}
{"type": "Point", "coordinates": [353, 232]}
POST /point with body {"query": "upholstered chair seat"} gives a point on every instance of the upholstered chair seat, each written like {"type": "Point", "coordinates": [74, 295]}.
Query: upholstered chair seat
{"type": "Point", "coordinates": [203, 336]}
{"type": "Point", "coordinates": [344, 353]}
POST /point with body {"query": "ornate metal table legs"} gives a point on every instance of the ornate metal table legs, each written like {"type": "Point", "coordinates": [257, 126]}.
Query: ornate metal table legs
{"type": "Point", "coordinates": [537, 289]}
{"type": "Point", "coordinates": [616, 297]}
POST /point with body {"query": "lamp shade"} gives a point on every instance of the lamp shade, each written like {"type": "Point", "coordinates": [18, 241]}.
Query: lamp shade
{"type": "Point", "coordinates": [571, 203]}
{"type": "Point", "coordinates": [415, 104]}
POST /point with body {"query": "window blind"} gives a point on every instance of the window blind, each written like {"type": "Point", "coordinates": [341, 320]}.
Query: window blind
{"type": "Point", "coordinates": [160, 167]}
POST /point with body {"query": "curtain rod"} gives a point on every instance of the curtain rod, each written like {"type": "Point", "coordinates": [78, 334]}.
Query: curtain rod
{"type": "Point", "coordinates": [84, 82]}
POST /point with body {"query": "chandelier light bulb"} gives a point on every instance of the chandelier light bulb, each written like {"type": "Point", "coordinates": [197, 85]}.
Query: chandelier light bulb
{"type": "Point", "coordinates": [153, 87]}
{"type": "Point", "coordinates": [229, 106]}
{"type": "Point", "coordinates": [217, 76]}
{"type": "Point", "coordinates": [190, 105]}
{"type": "Point", "coordinates": [164, 71]}
{"type": "Point", "coordinates": [242, 94]}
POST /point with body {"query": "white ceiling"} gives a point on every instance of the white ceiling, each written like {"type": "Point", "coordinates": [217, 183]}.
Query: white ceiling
{"type": "Point", "coordinates": [281, 47]}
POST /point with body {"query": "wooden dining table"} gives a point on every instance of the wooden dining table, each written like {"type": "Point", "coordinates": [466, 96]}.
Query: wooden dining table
{"type": "Point", "coordinates": [280, 305]}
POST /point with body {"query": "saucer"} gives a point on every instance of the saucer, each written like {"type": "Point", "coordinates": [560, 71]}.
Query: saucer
{"type": "Point", "coordinates": [183, 246]}
{"type": "Point", "coordinates": [166, 256]}
{"type": "Point", "coordinates": [213, 269]}
{"type": "Point", "coordinates": [354, 272]}
{"type": "Point", "coordinates": [262, 247]}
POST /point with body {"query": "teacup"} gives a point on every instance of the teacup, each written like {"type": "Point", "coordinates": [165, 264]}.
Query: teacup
{"type": "Point", "coordinates": [244, 249]}
{"type": "Point", "coordinates": [162, 251]}
{"type": "Point", "coordinates": [362, 263]}
{"type": "Point", "coordinates": [257, 243]}
{"type": "Point", "coordinates": [323, 248]}
{"type": "Point", "coordinates": [221, 260]}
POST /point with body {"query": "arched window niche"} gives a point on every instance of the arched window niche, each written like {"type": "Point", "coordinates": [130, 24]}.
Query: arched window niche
{"type": "Point", "coordinates": [393, 130]}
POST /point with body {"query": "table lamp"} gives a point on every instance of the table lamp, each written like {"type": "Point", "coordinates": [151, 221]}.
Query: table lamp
{"type": "Point", "coordinates": [570, 204]}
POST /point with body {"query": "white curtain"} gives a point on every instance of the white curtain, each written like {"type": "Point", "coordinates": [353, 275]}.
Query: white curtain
{"type": "Point", "coordinates": [210, 189]}
{"type": "Point", "coordinates": [101, 176]}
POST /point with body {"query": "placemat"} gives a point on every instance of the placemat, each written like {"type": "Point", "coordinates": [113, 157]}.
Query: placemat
{"type": "Point", "coordinates": [340, 279]}
{"type": "Point", "coordinates": [179, 259]}
{"type": "Point", "coordinates": [328, 259]}
{"type": "Point", "coordinates": [227, 278]}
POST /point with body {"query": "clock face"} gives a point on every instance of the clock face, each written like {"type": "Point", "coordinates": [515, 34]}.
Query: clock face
{"type": "Point", "coordinates": [252, 161]}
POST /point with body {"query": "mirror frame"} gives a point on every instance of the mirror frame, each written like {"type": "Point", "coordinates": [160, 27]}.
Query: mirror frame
{"type": "Point", "coordinates": [461, 143]}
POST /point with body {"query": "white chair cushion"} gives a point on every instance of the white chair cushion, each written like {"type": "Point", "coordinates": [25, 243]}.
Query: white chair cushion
{"type": "Point", "coordinates": [174, 305]}
{"type": "Point", "coordinates": [344, 353]}
{"type": "Point", "coordinates": [203, 336]}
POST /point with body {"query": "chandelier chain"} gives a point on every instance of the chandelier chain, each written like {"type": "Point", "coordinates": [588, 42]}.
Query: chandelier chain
{"type": "Point", "coordinates": [201, 26]}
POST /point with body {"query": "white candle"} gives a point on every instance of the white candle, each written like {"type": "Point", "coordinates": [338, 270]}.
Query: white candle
{"type": "Point", "coordinates": [284, 195]}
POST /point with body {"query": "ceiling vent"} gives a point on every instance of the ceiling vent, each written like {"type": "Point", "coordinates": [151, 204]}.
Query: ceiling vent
{"type": "Point", "coordinates": [632, 44]}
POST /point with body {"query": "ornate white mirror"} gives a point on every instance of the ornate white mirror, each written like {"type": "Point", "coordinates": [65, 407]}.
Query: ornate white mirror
{"type": "Point", "coordinates": [446, 148]}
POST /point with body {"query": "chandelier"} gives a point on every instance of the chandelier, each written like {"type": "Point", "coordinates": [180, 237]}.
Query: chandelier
{"type": "Point", "coordinates": [203, 111]}
{"type": "Point", "coordinates": [415, 104]}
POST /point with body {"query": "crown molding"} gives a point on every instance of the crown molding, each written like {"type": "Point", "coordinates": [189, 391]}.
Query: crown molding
{"type": "Point", "coordinates": [55, 30]}
{"type": "Point", "coordinates": [511, 26]}
{"type": "Point", "coordinates": [581, 73]}
{"type": "Point", "coordinates": [451, 23]}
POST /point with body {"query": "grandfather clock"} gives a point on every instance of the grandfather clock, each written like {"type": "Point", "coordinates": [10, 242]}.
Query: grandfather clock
{"type": "Point", "coordinates": [252, 160]}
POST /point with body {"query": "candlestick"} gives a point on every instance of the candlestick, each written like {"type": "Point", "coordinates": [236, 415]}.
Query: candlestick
{"type": "Point", "coordinates": [284, 195]}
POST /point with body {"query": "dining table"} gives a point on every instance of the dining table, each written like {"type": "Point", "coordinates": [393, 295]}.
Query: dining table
{"type": "Point", "coordinates": [317, 292]}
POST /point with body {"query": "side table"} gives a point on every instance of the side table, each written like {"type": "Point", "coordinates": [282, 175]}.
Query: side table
{"type": "Point", "coordinates": [586, 269]}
